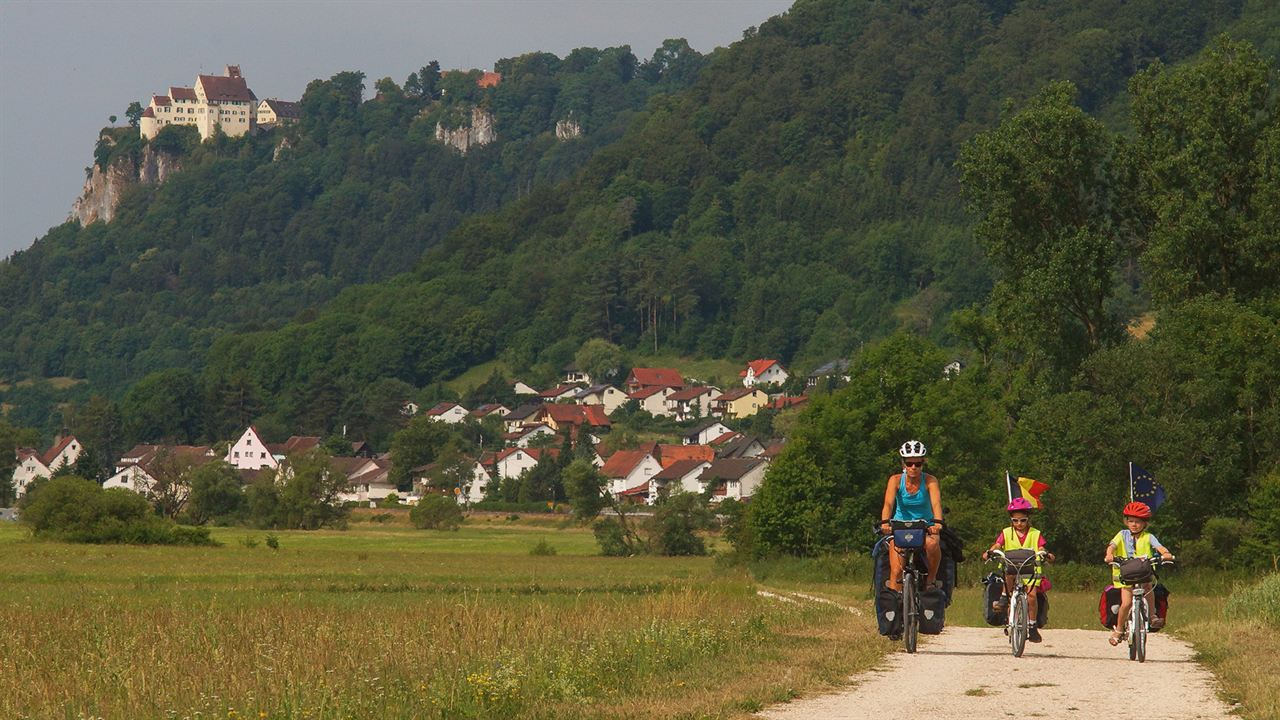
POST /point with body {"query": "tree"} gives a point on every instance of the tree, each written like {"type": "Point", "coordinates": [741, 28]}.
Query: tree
{"type": "Point", "coordinates": [164, 406]}
{"type": "Point", "coordinates": [436, 512]}
{"type": "Point", "coordinates": [309, 489]}
{"type": "Point", "coordinates": [170, 487]}
{"type": "Point", "coordinates": [216, 493]}
{"type": "Point", "coordinates": [73, 509]}
{"type": "Point", "coordinates": [112, 118]}
{"type": "Point", "coordinates": [587, 493]}
{"type": "Point", "coordinates": [1053, 191]}
{"type": "Point", "coordinates": [416, 445]}
{"type": "Point", "coordinates": [134, 113]}
{"type": "Point", "coordinates": [99, 426]}
{"type": "Point", "coordinates": [676, 523]}
{"type": "Point", "coordinates": [1209, 146]}
{"type": "Point", "coordinates": [600, 359]}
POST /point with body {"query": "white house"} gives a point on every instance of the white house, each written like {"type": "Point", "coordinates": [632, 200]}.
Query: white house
{"type": "Point", "coordinates": [30, 465]}
{"type": "Point", "coordinates": [524, 436]}
{"type": "Point", "coordinates": [703, 433]}
{"type": "Point", "coordinates": [510, 463]}
{"type": "Point", "coordinates": [137, 470]}
{"type": "Point", "coordinates": [448, 412]}
{"type": "Point", "coordinates": [691, 402]}
{"type": "Point", "coordinates": [249, 452]}
{"type": "Point", "coordinates": [522, 388]}
{"type": "Point", "coordinates": [607, 395]}
{"type": "Point", "coordinates": [521, 416]}
{"type": "Point", "coordinates": [763, 372]}
{"type": "Point", "coordinates": [734, 478]}
{"type": "Point", "coordinates": [630, 471]}
{"type": "Point", "coordinates": [681, 475]}
{"type": "Point", "coordinates": [475, 490]}
{"type": "Point", "coordinates": [368, 480]}
{"type": "Point", "coordinates": [488, 409]}
{"type": "Point", "coordinates": [574, 376]}
{"type": "Point", "coordinates": [653, 399]}
{"type": "Point", "coordinates": [563, 391]}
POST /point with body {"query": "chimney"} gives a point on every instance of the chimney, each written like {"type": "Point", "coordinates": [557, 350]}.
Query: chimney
{"type": "Point", "coordinates": [233, 71]}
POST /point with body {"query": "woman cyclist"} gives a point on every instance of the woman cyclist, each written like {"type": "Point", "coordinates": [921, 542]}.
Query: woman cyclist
{"type": "Point", "coordinates": [913, 495]}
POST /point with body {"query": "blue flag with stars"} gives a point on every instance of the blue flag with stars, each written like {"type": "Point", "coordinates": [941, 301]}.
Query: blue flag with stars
{"type": "Point", "coordinates": [1145, 487]}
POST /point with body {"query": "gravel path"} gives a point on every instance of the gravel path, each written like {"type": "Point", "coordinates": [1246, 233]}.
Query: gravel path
{"type": "Point", "coordinates": [970, 673]}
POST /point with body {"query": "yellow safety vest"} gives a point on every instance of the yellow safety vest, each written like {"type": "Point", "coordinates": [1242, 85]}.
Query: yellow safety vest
{"type": "Point", "coordinates": [1032, 543]}
{"type": "Point", "coordinates": [1141, 548]}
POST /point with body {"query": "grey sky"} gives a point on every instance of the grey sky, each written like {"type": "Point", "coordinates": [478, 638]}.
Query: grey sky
{"type": "Point", "coordinates": [67, 65]}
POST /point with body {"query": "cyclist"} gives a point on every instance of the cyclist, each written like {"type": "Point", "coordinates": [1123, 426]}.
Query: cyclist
{"type": "Point", "coordinates": [1133, 541]}
{"type": "Point", "coordinates": [913, 495]}
{"type": "Point", "coordinates": [1021, 536]}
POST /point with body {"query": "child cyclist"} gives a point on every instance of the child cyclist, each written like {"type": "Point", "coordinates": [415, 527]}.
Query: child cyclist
{"type": "Point", "coordinates": [1133, 541]}
{"type": "Point", "coordinates": [1020, 536]}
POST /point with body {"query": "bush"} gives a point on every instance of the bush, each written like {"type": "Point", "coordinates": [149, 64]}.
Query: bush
{"type": "Point", "coordinates": [611, 538]}
{"type": "Point", "coordinates": [543, 548]}
{"type": "Point", "coordinates": [392, 500]}
{"type": "Point", "coordinates": [675, 522]}
{"type": "Point", "coordinates": [73, 509]}
{"type": "Point", "coordinates": [1260, 601]}
{"type": "Point", "coordinates": [436, 512]}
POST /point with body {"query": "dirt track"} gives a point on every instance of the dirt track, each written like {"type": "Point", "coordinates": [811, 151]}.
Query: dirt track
{"type": "Point", "coordinates": [970, 673]}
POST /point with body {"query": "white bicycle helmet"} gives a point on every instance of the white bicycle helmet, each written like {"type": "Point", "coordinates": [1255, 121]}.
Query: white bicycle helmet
{"type": "Point", "coordinates": [912, 449]}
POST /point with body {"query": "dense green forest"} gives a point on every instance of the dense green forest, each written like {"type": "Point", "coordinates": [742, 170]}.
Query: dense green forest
{"type": "Point", "coordinates": [944, 174]}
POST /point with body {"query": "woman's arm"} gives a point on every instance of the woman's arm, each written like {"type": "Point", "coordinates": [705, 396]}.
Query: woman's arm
{"type": "Point", "coordinates": [935, 499]}
{"type": "Point", "coordinates": [890, 498]}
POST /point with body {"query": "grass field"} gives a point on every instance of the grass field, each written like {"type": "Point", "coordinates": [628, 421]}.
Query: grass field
{"type": "Point", "coordinates": [389, 622]}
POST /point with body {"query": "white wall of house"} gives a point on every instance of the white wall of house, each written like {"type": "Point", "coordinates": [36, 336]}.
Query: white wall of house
{"type": "Point", "coordinates": [610, 397]}
{"type": "Point", "coordinates": [475, 490]}
{"type": "Point", "coordinates": [250, 453]}
{"type": "Point", "coordinates": [656, 403]}
{"type": "Point", "coordinates": [131, 478]}
{"type": "Point", "coordinates": [773, 374]}
{"type": "Point", "coordinates": [685, 483]}
{"type": "Point", "coordinates": [746, 486]}
{"type": "Point", "coordinates": [534, 432]}
{"type": "Point", "coordinates": [27, 472]}
{"type": "Point", "coordinates": [455, 414]}
{"type": "Point", "coordinates": [707, 434]}
{"type": "Point", "coordinates": [513, 464]}
{"type": "Point", "coordinates": [643, 470]}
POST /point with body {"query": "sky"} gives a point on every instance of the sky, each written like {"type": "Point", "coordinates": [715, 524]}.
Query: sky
{"type": "Point", "coordinates": [66, 66]}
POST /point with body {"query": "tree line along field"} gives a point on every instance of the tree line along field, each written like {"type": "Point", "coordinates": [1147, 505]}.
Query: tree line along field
{"type": "Point", "coordinates": [385, 621]}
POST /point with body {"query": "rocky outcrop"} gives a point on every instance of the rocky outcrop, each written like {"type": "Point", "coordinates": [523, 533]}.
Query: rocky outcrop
{"type": "Point", "coordinates": [103, 190]}
{"type": "Point", "coordinates": [568, 129]}
{"type": "Point", "coordinates": [477, 133]}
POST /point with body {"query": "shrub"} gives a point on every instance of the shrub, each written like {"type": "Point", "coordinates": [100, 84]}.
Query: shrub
{"type": "Point", "coordinates": [436, 512]}
{"type": "Point", "coordinates": [73, 509]}
{"type": "Point", "coordinates": [611, 538]}
{"type": "Point", "coordinates": [543, 548]}
{"type": "Point", "coordinates": [675, 523]}
{"type": "Point", "coordinates": [273, 542]}
{"type": "Point", "coordinates": [390, 501]}
{"type": "Point", "coordinates": [1260, 601]}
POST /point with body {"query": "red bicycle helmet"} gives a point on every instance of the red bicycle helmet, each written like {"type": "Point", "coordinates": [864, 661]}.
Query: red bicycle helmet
{"type": "Point", "coordinates": [1138, 510]}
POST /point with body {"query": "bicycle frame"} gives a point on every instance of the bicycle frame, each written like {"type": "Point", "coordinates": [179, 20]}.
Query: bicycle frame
{"type": "Point", "coordinates": [910, 584]}
{"type": "Point", "coordinates": [1018, 624]}
{"type": "Point", "coordinates": [1139, 624]}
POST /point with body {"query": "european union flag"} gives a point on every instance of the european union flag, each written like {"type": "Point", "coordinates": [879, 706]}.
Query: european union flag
{"type": "Point", "coordinates": [1145, 487]}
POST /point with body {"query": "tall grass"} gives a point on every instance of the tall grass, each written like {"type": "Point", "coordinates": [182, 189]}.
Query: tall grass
{"type": "Point", "coordinates": [1241, 645]}
{"type": "Point", "coordinates": [390, 623]}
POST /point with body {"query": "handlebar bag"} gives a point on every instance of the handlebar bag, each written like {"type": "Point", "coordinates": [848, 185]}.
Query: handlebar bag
{"type": "Point", "coordinates": [1019, 562]}
{"type": "Point", "coordinates": [1135, 570]}
{"type": "Point", "coordinates": [912, 537]}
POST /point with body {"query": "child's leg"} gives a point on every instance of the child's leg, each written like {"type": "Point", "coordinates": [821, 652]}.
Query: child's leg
{"type": "Point", "coordinates": [1031, 605]}
{"type": "Point", "coordinates": [1126, 602]}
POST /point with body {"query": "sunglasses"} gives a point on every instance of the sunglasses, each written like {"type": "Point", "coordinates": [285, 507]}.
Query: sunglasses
{"type": "Point", "coordinates": [1020, 520]}
{"type": "Point", "coordinates": [913, 464]}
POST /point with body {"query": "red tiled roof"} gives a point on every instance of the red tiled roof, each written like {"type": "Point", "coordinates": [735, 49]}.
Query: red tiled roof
{"type": "Point", "coordinates": [441, 408]}
{"type": "Point", "coordinates": [647, 392]}
{"type": "Point", "coordinates": [53, 452]}
{"type": "Point", "coordinates": [731, 435]}
{"type": "Point", "coordinates": [284, 108]}
{"type": "Point", "coordinates": [595, 416]}
{"type": "Point", "coordinates": [489, 79]}
{"type": "Point", "coordinates": [641, 489]}
{"type": "Point", "coordinates": [656, 376]}
{"type": "Point", "coordinates": [781, 403]}
{"type": "Point", "coordinates": [300, 444]}
{"type": "Point", "coordinates": [220, 88]}
{"type": "Point", "coordinates": [679, 469]}
{"type": "Point", "coordinates": [148, 112]}
{"type": "Point", "coordinates": [759, 366]}
{"type": "Point", "coordinates": [734, 394]}
{"type": "Point", "coordinates": [670, 454]}
{"type": "Point", "coordinates": [182, 93]}
{"type": "Point", "coordinates": [621, 463]}
{"type": "Point", "coordinates": [558, 390]}
{"type": "Point", "coordinates": [160, 100]}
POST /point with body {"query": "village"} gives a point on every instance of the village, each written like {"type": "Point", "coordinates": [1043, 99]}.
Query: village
{"type": "Point", "coordinates": [710, 458]}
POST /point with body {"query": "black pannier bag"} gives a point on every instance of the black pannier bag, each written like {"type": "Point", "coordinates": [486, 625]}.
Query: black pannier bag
{"type": "Point", "coordinates": [1135, 571]}
{"type": "Point", "coordinates": [993, 588]}
{"type": "Point", "coordinates": [889, 612]}
{"type": "Point", "coordinates": [933, 609]}
{"type": "Point", "coordinates": [1109, 606]}
{"type": "Point", "coordinates": [1042, 609]}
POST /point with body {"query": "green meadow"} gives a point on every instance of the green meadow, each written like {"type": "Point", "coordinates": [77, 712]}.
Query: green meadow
{"type": "Point", "coordinates": [385, 621]}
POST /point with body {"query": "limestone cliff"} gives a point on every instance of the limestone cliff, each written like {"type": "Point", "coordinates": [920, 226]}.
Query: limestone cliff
{"type": "Point", "coordinates": [103, 190]}
{"type": "Point", "coordinates": [474, 134]}
{"type": "Point", "coordinates": [568, 129]}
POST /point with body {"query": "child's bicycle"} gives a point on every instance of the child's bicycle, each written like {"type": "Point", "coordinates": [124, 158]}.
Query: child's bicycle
{"type": "Point", "coordinates": [1023, 564]}
{"type": "Point", "coordinates": [908, 538]}
{"type": "Point", "coordinates": [1136, 572]}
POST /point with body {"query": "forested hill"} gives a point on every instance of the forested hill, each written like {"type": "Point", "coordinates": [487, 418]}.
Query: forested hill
{"type": "Point", "coordinates": [256, 230]}
{"type": "Point", "coordinates": [798, 199]}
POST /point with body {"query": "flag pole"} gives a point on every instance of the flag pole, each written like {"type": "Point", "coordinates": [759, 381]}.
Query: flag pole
{"type": "Point", "coordinates": [1008, 485]}
{"type": "Point", "coordinates": [1130, 481]}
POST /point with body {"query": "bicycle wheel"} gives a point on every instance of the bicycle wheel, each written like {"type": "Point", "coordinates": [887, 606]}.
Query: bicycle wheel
{"type": "Point", "coordinates": [910, 608]}
{"type": "Point", "coordinates": [1139, 631]}
{"type": "Point", "coordinates": [1018, 633]}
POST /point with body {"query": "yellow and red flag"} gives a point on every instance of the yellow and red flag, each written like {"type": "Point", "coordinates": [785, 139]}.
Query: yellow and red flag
{"type": "Point", "coordinates": [1027, 488]}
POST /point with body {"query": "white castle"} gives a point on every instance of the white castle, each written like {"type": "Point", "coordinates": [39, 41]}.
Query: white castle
{"type": "Point", "coordinates": [217, 101]}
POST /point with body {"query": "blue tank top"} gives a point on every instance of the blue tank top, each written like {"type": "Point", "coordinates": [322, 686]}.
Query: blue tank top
{"type": "Point", "coordinates": [912, 506]}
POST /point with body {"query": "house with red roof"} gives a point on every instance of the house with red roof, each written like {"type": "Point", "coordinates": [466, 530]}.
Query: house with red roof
{"type": "Point", "coordinates": [691, 402]}
{"type": "Point", "coordinates": [449, 412]}
{"type": "Point", "coordinates": [679, 476]}
{"type": "Point", "coordinates": [488, 409]}
{"type": "Point", "coordinates": [629, 471]}
{"type": "Point", "coordinates": [216, 103]}
{"type": "Point", "coordinates": [739, 402]}
{"type": "Point", "coordinates": [568, 418]}
{"type": "Point", "coordinates": [527, 434]}
{"type": "Point", "coordinates": [782, 402]}
{"type": "Point", "coordinates": [668, 454]}
{"type": "Point", "coordinates": [652, 377]}
{"type": "Point", "coordinates": [563, 391]}
{"type": "Point", "coordinates": [31, 464]}
{"type": "Point", "coordinates": [607, 395]}
{"type": "Point", "coordinates": [734, 478]}
{"type": "Point", "coordinates": [140, 468]}
{"type": "Point", "coordinates": [763, 372]}
{"type": "Point", "coordinates": [653, 399]}
{"type": "Point", "coordinates": [251, 452]}
{"type": "Point", "coordinates": [512, 462]}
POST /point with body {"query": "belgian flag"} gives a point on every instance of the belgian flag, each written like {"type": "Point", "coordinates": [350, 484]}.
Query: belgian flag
{"type": "Point", "coordinates": [1026, 488]}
